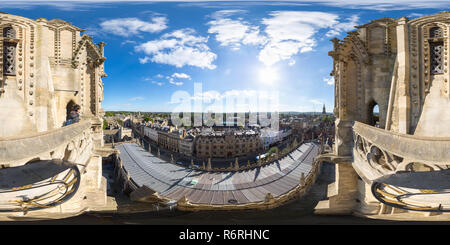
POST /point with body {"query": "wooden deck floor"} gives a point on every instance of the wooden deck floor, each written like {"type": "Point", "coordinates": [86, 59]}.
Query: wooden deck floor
{"type": "Point", "coordinates": [174, 182]}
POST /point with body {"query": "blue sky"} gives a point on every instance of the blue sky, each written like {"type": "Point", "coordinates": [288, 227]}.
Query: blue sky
{"type": "Point", "coordinates": [230, 48]}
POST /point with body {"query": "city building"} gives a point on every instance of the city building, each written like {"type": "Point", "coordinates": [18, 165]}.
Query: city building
{"type": "Point", "coordinates": [151, 133]}
{"type": "Point", "coordinates": [227, 143]}
{"type": "Point", "coordinates": [186, 145]}
{"type": "Point", "coordinates": [297, 125]}
{"type": "Point", "coordinates": [169, 138]}
{"type": "Point", "coordinates": [271, 137]}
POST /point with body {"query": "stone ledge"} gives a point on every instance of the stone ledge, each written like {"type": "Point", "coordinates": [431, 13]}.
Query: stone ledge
{"type": "Point", "coordinates": [16, 148]}
{"type": "Point", "coordinates": [421, 148]}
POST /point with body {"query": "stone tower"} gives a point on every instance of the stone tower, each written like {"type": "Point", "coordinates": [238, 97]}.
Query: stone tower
{"type": "Point", "coordinates": [401, 65]}
{"type": "Point", "coordinates": [46, 67]}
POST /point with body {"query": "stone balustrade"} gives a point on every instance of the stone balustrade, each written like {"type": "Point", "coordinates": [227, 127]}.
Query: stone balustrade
{"type": "Point", "coordinates": [73, 143]}
{"type": "Point", "coordinates": [378, 152]}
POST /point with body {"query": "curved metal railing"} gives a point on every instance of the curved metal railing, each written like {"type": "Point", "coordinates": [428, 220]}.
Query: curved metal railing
{"type": "Point", "coordinates": [399, 198]}
{"type": "Point", "coordinates": [62, 190]}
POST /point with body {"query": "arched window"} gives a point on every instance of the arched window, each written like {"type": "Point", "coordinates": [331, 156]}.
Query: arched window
{"type": "Point", "coordinates": [436, 51]}
{"type": "Point", "coordinates": [9, 51]}
{"type": "Point", "coordinates": [374, 114]}
{"type": "Point", "coordinates": [435, 32]}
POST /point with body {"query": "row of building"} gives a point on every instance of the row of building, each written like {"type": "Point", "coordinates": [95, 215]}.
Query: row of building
{"type": "Point", "coordinates": [215, 143]}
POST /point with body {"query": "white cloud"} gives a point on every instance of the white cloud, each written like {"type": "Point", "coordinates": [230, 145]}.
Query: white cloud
{"type": "Point", "coordinates": [235, 32]}
{"type": "Point", "coordinates": [179, 48]}
{"type": "Point", "coordinates": [77, 5]}
{"type": "Point", "coordinates": [385, 5]}
{"type": "Point", "coordinates": [144, 60]}
{"type": "Point", "coordinates": [181, 75]}
{"type": "Point", "coordinates": [158, 83]}
{"type": "Point", "coordinates": [291, 62]}
{"type": "Point", "coordinates": [329, 80]}
{"type": "Point", "coordinates": [172, 81]}
{"type": "Point", "coordinates": [159, 76]}
{"type": "Point", "coordinates": [292, 32]}
{"type": "Point", "coordinates": [137, 98]}
{"type": "Point", "coordinates": [131, 26]}
{"type": "Point", "coordinates": [352, 21]}
{"type": "Point", "coordinates": [226, 13]}
{"type": "Point", "coordinates": [415, 15]}
{"type": "Point", "coordinates": [316, 102]}
{"type": "Point", "coordinates": [128, 42]}
{"type": "Point", "coordinates": [176, 83]}
{"type": "Point", "coordinates": [286, 33]}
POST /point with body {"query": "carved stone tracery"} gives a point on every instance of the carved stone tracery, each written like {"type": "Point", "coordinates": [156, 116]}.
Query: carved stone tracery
{"type": "Point", "coordinates": [9, 51]}
{"type": "Point", "coordinates": [436, 57]}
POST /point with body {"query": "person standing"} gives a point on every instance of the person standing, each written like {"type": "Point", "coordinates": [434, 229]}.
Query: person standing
{"type": "Point", "coordinates": [74, 115]}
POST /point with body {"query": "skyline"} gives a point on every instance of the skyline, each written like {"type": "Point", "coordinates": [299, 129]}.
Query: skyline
{"type": "Point", "coordinates": [233, 49]}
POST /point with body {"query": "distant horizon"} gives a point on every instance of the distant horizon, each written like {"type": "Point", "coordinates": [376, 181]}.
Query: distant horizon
{"type": "Point", "coordinates": [218, 112]}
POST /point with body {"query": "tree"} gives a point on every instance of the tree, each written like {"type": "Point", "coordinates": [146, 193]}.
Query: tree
{"type": "Point", "coordinates": [105, 124]}
{"type": "Point", "coordinates": [272, 150]}
{"type": "Point", "coordinates": [120, 122]}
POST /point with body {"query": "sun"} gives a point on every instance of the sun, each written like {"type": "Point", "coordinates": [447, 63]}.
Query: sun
{"type": "Point", "coordinates": [268, 75]}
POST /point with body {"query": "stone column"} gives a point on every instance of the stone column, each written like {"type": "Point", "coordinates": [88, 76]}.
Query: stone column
{"type": "Point", "coordinates": [209, 167]}
{"type": "Point", "coordinates": [302, 179]}
{"type": "Point", "coordinates": [342, 193]}
{"type": "Point", "coordinates": [344, 138]}
{"type": "Point", "coordinates": [403, 76]}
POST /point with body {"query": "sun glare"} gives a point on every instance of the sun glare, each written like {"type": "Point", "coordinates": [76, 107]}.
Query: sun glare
{"type": "Point", "coordinates": [268, 75]}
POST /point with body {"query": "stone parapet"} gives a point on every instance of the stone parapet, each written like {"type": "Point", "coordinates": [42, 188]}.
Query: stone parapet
{"type": "Point", "coordinates": [53, 144]}
{"type": "Point", "coordinates": [378, 152]}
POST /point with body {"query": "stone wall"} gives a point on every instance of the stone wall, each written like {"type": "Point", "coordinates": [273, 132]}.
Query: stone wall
{"type": "Point", "coordinates": [53, 66]}
{"type": "Point", "coordinates": [73, 143]}
{"type": "Point", "coordinates": [402, 66]}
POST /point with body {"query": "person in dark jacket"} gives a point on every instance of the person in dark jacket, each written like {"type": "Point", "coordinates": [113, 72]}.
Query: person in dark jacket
{"type": "Point", "coordinates": [74, 115]}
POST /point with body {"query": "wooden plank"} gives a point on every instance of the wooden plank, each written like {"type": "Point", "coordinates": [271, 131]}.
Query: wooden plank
{"type": "Point", "coordinates": [195, 196]}
{"type": "Point", "coordinates": [175, 194]}
{"type": "Point", "coordinates": [249, 195]}
{"type": "Point", "coordinates": [228, 195]}
{"type": "Point", "coordinates": [206, 197]}
{"type": "Point", "coordinates": [240, 197]}
{"type": "Point", "coordinates": [259, 193]}
{"type": "Point", "coordinates": [271, 188]}
{"type": "Point", "coordinates": [217, 198]}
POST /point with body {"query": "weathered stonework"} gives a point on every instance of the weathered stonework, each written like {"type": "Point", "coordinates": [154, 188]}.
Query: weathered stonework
{"type": "Point", "coordinates": [401, 65]}
{"type": "Point", "coordinates": [46, 66]}
{"type": "Point", "coordinates": [53, 66]}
